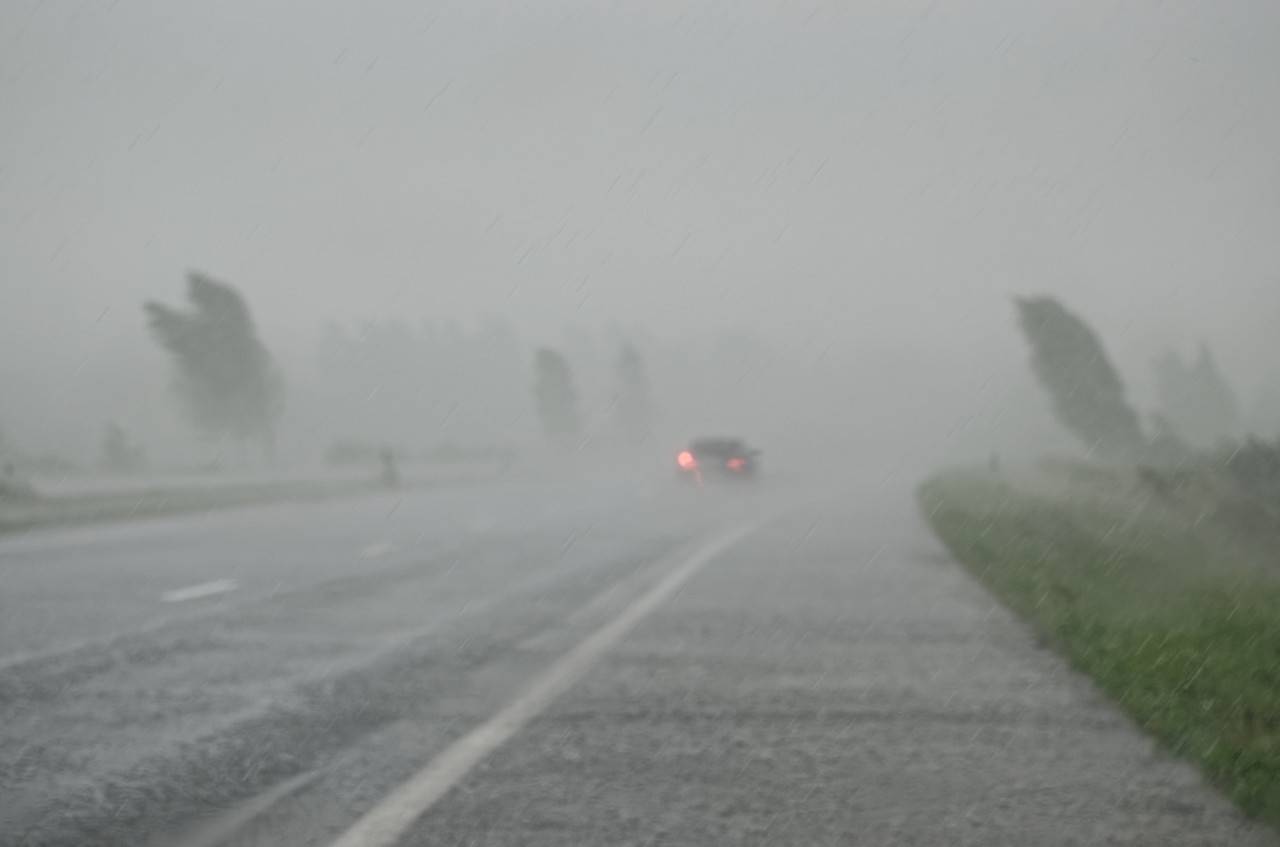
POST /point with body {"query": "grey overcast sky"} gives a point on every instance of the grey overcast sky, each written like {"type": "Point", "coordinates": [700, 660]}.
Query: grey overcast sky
{"type": "Point", "coordinates": [859, 174]}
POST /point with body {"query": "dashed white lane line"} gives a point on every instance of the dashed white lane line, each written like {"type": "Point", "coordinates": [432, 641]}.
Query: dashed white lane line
{"type": "Point", "coordinates": [196, 592]}
{"type": "Point", "coordinates": [386, 822]}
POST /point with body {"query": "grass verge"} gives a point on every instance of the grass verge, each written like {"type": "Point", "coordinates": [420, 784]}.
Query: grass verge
{"type": "Point", "coordinates": [102, 508]}
{"type": "Point", "coordinates": [1179, 627]}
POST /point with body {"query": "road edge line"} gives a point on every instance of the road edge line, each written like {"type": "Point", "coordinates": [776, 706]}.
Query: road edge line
{"type": "Point", "coordinates": [386, 822]}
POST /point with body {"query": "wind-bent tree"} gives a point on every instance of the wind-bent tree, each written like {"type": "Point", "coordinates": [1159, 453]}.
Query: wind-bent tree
{"type": "Point", "coordinates": [634, 407]}
{"type": "Point", "coordinates": [120, 454]}
{"type": "Point", "coordinates": [224, 375]}
{"type": "Point", "coordinates": [1087, 395]}
{"type": "Point", "coordinates": [1196, 398]}
{"type": "Point", "coordinates": [555, 396]}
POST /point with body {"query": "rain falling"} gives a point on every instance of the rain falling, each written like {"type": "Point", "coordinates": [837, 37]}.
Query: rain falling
{"type": "Point", "coordinates": [684, 423]}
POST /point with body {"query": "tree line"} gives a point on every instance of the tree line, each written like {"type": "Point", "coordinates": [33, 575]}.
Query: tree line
{"type": "Point", "coordinates": [231, 391]}
{"type": "Point", "coordinates": [1198, 407]}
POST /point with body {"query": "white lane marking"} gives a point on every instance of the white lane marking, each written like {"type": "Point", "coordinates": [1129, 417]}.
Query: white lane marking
{"type": "Point", "coordinates": [374, 551]}
{"type": "Point", "coordinates": [606, 602]}
{"type": "Point", "coordinates": [385, 823]}
{"type": "Point", "coordinates": [195, 592]}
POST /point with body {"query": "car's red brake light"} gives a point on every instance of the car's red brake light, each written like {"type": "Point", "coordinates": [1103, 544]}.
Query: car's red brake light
{"type": "Point", "coordinates": [737, 463]}
{"type": "Point", "coordinates": [686, 461]}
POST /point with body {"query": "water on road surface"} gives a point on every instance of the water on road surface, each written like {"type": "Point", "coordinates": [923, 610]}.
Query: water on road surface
{"type": "Point", "coordinates": [589, 661]}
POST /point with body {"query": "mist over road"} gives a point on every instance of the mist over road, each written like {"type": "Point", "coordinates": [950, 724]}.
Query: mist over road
{"type": "Point", "coordinates": [269, 675]}
{"type": "Point", "coordinates": [462, 282]}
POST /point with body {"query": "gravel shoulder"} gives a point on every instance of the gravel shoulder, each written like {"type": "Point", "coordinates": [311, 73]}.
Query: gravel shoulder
{"type": "Point", "coordinates": [835, 679]}
{"type": "Point", "coordinates": [1169, 612]}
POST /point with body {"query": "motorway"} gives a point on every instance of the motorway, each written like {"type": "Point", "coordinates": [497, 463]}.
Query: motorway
{"type": "Point", "coordinates": [576, 662]}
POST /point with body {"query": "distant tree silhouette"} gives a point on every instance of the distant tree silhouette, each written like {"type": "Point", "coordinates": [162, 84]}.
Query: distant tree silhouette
{"type": "Point", "coordinates": [1264, 410]}
{"type": "Point", "coordinates": [1196, 398]}
{"type": "Point", "coordinates": [634, 407]}
{"type": "Point", "coordinates": [555, 396]}
{"type": "Point", "coordinates": [223, 374]}
{"type": "Point", "coordinates": [119, 453]}
{"type": "Point", "coordinates": [401, 382]}
{"type": "Point", "coordinates": [1086, 392]}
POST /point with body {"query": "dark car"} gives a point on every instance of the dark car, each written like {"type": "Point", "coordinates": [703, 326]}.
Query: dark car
{"type": "Point", "coordinates": [717, 457]}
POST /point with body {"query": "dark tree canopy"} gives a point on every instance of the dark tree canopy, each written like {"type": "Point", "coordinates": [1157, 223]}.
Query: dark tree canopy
{"type": "Point", "coordinates": [119, 453]}
{"type": "Point", "coordinates": [633, 409]}
{"type": "Point", "coordinates": [223, 373]}
{"type": "Point", "coordinates": [1087, 395]}
{"type": "Point", "coordinates": [1196, 398]}
{"type": "Point", "coordinates": [555, 396]}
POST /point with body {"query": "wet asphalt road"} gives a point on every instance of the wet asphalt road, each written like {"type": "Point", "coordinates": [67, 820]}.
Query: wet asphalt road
{"type": "Point", "coordinates": [269, 676]}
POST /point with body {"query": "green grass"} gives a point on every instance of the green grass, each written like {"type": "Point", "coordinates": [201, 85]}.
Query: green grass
{"type": "Point", "coordinates": [101, 508]}
{"type": "Point", "coordinates": [1178, 627]}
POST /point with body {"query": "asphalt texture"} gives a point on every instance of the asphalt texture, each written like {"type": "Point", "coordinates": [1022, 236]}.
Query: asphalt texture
{"type": "Point", "coordinates": [270, 675]}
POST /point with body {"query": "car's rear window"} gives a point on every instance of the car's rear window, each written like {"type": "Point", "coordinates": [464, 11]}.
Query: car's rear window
{"type": "Point", "coordinates": [718, 447]}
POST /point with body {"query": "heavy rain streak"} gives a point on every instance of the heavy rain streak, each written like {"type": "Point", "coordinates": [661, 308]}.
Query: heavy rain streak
{"type": "Point", "coordinates": [783, 422]}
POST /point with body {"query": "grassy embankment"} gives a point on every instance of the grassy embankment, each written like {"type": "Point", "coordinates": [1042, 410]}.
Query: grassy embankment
{"type": "Point", "coordinates": [1168, 595]}
{"type": "Point", "coordinates": [27, 514]}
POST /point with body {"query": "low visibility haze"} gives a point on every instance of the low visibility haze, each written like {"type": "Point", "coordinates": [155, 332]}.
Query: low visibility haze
{"type": "Point", "coordinates": [809, 218]}
{"type": "Point", "coordinates": [776, 422]}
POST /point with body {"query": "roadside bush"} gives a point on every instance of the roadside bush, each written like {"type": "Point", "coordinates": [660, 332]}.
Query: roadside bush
{"type": "Point", "coordinates": [1255, 467]}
